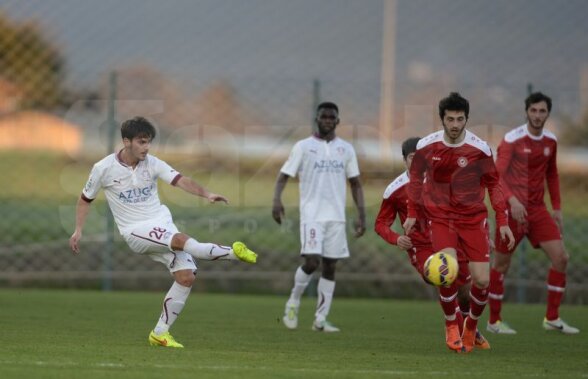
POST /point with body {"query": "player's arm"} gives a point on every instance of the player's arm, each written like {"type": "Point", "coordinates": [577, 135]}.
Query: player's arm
{"type": "Point", "coordinates": [82, 211]}
{"type": "Point", "coordinates": [277, 206]}
{"type": "Point", "coordinates": [385, 219]}
{"type": "Point", "coordinates": [194, 188]}
{"type": "Point", "coordinates": [357, 194]}
{"type": "Point", "coordinates": [491, 181]}
{"type": "Point", "coordinates": [414, 190]}
{"type": "Point", "coordinates": [552, 177]}
{"type": "Point", "coordinates": [504, 155]}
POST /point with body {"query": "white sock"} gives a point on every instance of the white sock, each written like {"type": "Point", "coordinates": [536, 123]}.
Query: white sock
{"type": "Point", "coordinates": [209, 251]}
{"type": "Point", "coordinates": [172, 306]}
{"type": "Point", "coordinates": [325, 288]}
{"type": "Point", "coordinates": [301, 280]}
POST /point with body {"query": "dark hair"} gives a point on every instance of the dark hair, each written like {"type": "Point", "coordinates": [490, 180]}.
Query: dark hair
{"type": "Point", "coordinates": [454, 102]}
{"type": "Point", "coordinates": [537, 97]}
{"type": "Point", "coordinates": [409, 146]}
{"type": "Point", "coordinates": [137, 127]}
{"type": "Point", "coordinates": [327, 105]}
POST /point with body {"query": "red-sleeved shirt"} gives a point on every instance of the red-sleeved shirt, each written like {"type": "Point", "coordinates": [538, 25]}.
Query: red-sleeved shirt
{"type": "Point", "coordinates": [524, 163]}
{"type": "Point", "coordinates": [395, 203]}
{"type": "Point", "coordinates": [450, 180]}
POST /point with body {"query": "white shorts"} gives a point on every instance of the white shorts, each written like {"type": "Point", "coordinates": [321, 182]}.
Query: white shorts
{"type": "Point", "coordinates": [153, 238]}
{"type": "Point", "coordinates": [328, 239]}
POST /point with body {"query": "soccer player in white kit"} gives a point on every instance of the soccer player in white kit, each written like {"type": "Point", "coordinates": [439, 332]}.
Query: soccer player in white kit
{"type": "Point", "coordinates": [323, 163]}
{"type": "Point", "coordinates": [129, 179]}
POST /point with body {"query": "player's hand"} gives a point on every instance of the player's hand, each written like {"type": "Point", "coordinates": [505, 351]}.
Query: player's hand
{"type": "Point", "coordinates": [558, 218]}
{"type": "Point", "coordinates": [519, 213]}
{"type": "Point", "coordinates": [278, 211]}
{"type": "Point", "coordinates": [214, 198]}
{"type": "Point", "coordinates": [505, 233]}
{"type": "Point", "coordinates": [408, 225]}
{"type": "Point", "coordinates": [74, 242]}
{"type": "Point", "coordinates": [404, 242]}
{"type": "Point", "coordinates": [359, 227]}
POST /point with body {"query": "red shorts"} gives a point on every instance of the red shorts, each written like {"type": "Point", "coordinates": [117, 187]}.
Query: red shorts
{"type": "Point", "coordinates": [472, 240]}
{"type": "Point", "coordinates": [540, 227]}
{"type": "Point", "coordinates": [418, 256]}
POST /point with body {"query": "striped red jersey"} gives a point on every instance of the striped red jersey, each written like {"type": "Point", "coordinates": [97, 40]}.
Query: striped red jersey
{"type": "Point", "coordinates": [450, 180]}
{"type": "Point", "coordinates": [525, 162]}
{"type": "Point", "coordinates": [394, 204]}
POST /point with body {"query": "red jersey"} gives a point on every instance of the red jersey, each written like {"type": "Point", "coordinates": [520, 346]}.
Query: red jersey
{"type": "Point", "coordinates": [450, 180]}
{"type": "Point", "coordinates": [395, 203]}
{"type": "Point", "coordinates": [525, 162]}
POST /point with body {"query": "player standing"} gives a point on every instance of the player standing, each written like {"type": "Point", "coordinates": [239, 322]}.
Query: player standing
{"type": "Point", "coordinates": [323, 162]}
{"type": "Point", "coordinates": [526, 159]}
{"type": "Point", "coordinates": [449, 175]}
{"type": "Point", "coordinates": [418, 247]}
{"type": "Point", "coordinates": [129, 179]}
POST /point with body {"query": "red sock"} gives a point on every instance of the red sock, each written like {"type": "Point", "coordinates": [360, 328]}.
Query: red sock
{"type": "Point", "coordinates": [459, 315]}
{"type": "Point", "coordinates": [556, 285]}
{"type": "Point", "coordinates": [495, 295]}
{"type": "Point", "coordinates": [448, 301]}
{"type": "Point", "coordinates": [478, 300]}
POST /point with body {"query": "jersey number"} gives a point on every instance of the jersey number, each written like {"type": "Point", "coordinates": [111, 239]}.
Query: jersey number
{"type": "Point", "coordinates": [157, 233]}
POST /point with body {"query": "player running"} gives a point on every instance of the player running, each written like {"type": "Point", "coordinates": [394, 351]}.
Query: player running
{"type": "Point", "coordinates": [418, 247]}
{"type": "Point", "coordinates": [129, 179]}
{"type": "Point", "coordinates": [449, 175]}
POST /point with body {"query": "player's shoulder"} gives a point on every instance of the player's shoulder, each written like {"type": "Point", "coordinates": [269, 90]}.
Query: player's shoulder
{"type": "Point", "coordinates": [106, 162]}
{"type": "Point", "coordinates": [549, 134]}
{"type": "Point", "coordinates": [346, 145]}
{"type": "Point", "coordinates": [516, 134]}
{"type": "Point", "coordinates": [473, 140]}
{"type": "Point", "coordinates": [430, 139]}
{"type": "Point", "coordinates": [400, 181]}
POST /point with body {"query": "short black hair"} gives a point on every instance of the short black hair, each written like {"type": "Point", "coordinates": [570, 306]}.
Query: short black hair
{"type": "Point", "coordinates": [137, 127]}
{"type": "Point", "coordinates": [409, 146]}
{"type": "Point", "coordinates": [454, 102]}
{"type": "Point", "coordinates": [327, 105]}
{"type": "Point", "coordinates": [537, 97]}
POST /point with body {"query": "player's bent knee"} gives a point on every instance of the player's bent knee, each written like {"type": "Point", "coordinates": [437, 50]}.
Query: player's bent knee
{"type": "Point", "coordinates": [185, 278]}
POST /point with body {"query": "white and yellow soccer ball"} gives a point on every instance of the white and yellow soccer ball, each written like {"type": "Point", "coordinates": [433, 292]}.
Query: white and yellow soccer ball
{"type": "Point", "coordinates": [441, 269]}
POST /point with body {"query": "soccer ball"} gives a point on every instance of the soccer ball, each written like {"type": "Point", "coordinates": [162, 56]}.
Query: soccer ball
{"type": "Point", "coordinates": [440, 269]}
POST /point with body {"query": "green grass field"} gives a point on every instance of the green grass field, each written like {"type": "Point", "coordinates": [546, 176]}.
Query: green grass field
{"type": "Point", "coordinates": [84, 334]}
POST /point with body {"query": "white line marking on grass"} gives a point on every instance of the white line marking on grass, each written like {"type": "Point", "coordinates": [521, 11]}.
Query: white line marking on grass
{"type": "Point", "coordinates": [115, 365]}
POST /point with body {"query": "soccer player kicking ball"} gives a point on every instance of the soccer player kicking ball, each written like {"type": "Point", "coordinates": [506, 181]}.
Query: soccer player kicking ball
{"type": "Point", "coordinates": [324, 163]}
{"type": "Point", "coordinates": [129, 179]}
{"type": "Point", "coordinates": [458, 167]}
{"type": "Point", "coordinates": [418, 246]}
{"type": "Point", "coordinates": [526, 159]}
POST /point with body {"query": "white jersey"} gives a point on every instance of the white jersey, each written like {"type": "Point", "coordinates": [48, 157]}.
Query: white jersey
{"type": "Point", "coordinates": [323, 169]}
{"type": "Point", "coordinates": [131, 193]}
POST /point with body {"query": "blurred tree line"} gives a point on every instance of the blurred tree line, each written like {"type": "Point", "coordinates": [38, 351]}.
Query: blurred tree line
{"type": "Point", "coordinates": [31, 66]}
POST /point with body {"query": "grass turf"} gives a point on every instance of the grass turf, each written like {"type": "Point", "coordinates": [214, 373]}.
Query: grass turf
{"type": "Point", "coordinates": [86, 334]}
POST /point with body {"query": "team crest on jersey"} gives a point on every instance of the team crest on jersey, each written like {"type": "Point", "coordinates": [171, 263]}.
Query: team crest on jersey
{"type": "Point", "coordinates": [341, 150]}
{"type": "Point", "coordinates": [546, 151]}
{"type": "Point", "coordinates": [462, 161]}
{"type": "Point", "coordinates": [146, 176]}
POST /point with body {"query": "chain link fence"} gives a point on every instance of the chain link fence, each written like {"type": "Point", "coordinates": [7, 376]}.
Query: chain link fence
{"type": "Point", "coordinates": [231, 86]}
